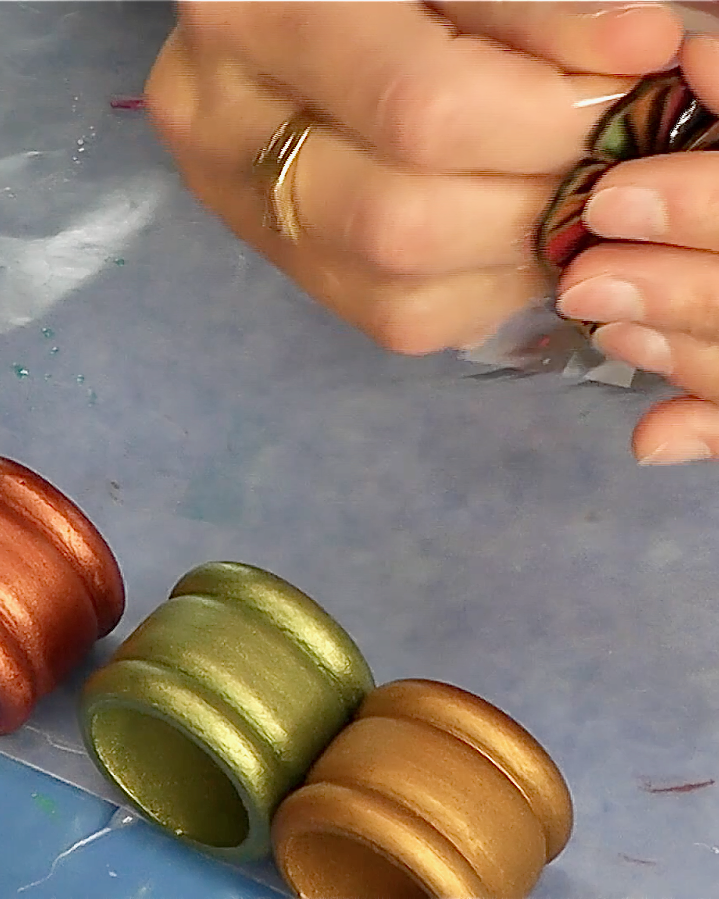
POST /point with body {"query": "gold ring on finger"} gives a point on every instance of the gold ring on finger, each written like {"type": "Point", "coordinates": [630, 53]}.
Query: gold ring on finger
{"type": "Point", "coordinates": [273, 168]}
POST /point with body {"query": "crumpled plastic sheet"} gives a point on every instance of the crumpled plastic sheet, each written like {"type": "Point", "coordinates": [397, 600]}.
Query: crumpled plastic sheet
{"type": "Point", "coordinates": [536, 341]}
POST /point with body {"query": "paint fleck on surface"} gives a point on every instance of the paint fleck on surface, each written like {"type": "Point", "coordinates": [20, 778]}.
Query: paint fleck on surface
{"type": "Point", "coordinates": [54, 350]}
{"type": "Point", "coordinates": [48, 333]}
{"type": "Point", "coordinates": [45, 803]}
{"type": "Point", "coordinates": [127, 103]}
{"type": "Point", "coordinates": [649, 787]}
{"type": "Point", "coordinates": [20, 370]}
{"type": "Point", "coordinates": [80, 379]}
{"type": "Point", "coordinates": [633, 860]}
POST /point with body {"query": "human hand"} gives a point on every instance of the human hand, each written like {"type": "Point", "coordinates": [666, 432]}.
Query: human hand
{"type": "Point", "coordinates": [419, 197]}
{"type": "Point", "coordinates": [660, 292]}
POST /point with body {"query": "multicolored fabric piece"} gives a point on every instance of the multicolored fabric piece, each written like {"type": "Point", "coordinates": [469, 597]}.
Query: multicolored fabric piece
{"type": "Point", "coordinates": [660, 115]}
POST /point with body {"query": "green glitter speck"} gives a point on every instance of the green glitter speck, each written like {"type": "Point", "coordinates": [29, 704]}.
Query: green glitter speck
{"type": "Point", "coordinates": [48, 332]}
{"type": "Point", "coordinates": [20, 370]}
{"type": "Point", "coordinates": [80, 379]}
{"type": "Point", "coordinates": [45, 803]}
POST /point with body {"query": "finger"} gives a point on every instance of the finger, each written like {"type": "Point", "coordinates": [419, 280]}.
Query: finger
{"type": "Point", "coordinates": [684, 429]}
{"type": "Point", "coordinates": [672, 199]}
{"type": "Point", "coordinates": [407, 315]}
{"type": "Point", "coordinates": [664, 288]}
{"type": "Point", "coordinates": [699, 58]}
{"type": "Point", "coordinates": [207, 104]}
{"type": "Point", "coordinates": [399, 222]}
{"type": "Point", "coordinates": [412, 316]}
{"type": "Point", "coordinates": [619, 38]}
{"type": "Point", "coordinates": [396, 78]}
{"type": "Point", "coordinates": [415, 224]}
{"type": "Point", "coordinates": [684, 361]}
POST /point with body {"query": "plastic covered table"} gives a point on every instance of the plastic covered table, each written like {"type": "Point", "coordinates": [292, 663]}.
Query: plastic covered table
{"type": "Point", "coordinates": [495, 534]}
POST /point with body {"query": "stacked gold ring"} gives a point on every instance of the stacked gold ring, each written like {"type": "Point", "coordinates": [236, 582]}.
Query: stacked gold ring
{"type": "Point", "coordinates": [273, 169]}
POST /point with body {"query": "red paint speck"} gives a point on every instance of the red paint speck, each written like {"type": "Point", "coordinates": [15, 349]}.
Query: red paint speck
{"type": "Point", "coordinates": [127, 103]}
{"type": "Point", "coordinates": [649, 787]}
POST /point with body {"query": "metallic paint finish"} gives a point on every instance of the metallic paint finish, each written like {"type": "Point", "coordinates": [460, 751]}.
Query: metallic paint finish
{"type": "Point", "coordinates": [430, 792]}
{"type": "Point", "coordinates": [218, 704]}
{"type": "Point", "coordinates": [60, 590]}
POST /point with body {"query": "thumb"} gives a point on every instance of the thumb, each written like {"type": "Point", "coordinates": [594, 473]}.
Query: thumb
{"type": "Point", "coordinates": [699, 60]}
{"type": "Point", "coordinates": [629, 38]}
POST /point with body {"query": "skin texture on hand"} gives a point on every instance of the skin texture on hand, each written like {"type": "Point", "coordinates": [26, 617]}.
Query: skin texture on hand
{"type": "Point", "coordinates": [621, 38]}
{"type": "Point", "coordinates": [657, 283]}
{"type": "Point", "coordinates": [441, 141]}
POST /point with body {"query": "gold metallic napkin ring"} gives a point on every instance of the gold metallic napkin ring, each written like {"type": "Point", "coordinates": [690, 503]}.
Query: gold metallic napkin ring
{"type": "Point", "coordinates": [430, 793]}
{"type": "Point", "coordinates": [273, 167]}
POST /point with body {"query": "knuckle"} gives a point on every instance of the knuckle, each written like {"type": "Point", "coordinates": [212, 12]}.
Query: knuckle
{"type": "Point", "coordinates": [701, 313]}
{"type": "Point", "coordinates": [160, 109]}
{"type": "Point", "coordinates": [199, 19]}
{"type": "Point", "coordinates": [389, 227]}
{"type": "Point", "coordinates": [405, 324]}
{"type": "Point", "coordinates": [170, 99]}
{"type": "Point", "coordinates": [173, 131]}
{"type": "Point", "coordinates": [710, 214]}
{"type": "Point", "coordinates": [413, 116]}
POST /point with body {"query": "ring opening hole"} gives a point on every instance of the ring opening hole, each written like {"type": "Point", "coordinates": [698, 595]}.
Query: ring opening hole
{"type": "Point", "coordinates": [176, 783]}
{"type": "Point", "coordinates": [322, 865]}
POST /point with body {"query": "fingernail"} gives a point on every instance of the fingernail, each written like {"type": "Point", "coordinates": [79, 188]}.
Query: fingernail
{"type": "Point", "coordinates": [633, 213]}
{"type": "Point", "coordinates": [678, 452]}
{"type": "Point", "coordinates": [631, 8]}
{"type": "Point", "coordinates": [596, 90]}
{"type": "Point", "coordinates": [602, 299]}
{"type": "Point", "coordinates": [710, 38]}
{"type": "Point", "coordinates": [641, 347]}
{"type": "Point", "coordinates": [595, 10]}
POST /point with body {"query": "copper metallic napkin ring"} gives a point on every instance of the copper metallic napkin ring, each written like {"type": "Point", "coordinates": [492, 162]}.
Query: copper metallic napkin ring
{"type": "Point", "coordinates": [60, 590]}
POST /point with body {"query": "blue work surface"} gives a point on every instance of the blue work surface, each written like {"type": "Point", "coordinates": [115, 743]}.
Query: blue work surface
{"type": "Point", "coordinates": [494, 534]}
{"type": "Point", "coordinates": [54, 845]}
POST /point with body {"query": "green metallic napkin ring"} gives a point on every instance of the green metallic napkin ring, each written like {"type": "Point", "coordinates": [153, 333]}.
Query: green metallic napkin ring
{"type": "Point", "coordinates": [214, 709]}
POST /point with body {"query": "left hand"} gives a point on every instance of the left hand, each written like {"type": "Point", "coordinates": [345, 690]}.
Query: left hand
{"type": "Point", "coordinates": [659, 291]}
{"type": "Point", "coordinates": [442, 140]}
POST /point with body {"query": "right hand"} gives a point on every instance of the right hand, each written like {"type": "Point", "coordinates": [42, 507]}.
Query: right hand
{"type": "Point", "coordinates": [420, 197]}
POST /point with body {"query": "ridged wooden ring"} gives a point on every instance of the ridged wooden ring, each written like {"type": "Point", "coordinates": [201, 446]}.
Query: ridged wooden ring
{"type": "Point", "coordinates": [60, 590]}
{"type": "Point", "coordinates": [431, 793]}
{"type": "Point", "coordinates": [217, 705]}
